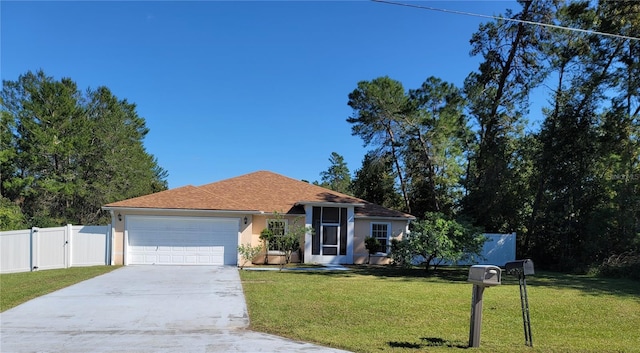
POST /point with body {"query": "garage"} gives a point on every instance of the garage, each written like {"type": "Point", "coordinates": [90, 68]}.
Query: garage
{"type": "Point", "coordinates": [165, 240]}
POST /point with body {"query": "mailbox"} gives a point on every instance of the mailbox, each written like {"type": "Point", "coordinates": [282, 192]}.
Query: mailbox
{"type": "Point", "coordinates": [485, 275]}
{"type": "Point", "coordinates": [520, 267]}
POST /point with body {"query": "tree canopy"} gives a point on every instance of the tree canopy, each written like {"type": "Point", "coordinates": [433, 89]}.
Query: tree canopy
{"type": "Point", "coordinates": [66, 152]}
{"type": "Point", "coordinates": [571, 190]}
{"type": "Point", "coordinates": [337, 177]}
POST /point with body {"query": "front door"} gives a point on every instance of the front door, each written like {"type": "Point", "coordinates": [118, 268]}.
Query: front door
{"type": "Point", "coordinates": [330, 240]}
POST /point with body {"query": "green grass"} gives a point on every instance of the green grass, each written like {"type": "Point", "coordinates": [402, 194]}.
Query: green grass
{"type": "Point", "coordinates": [387, 310]}
{"type": "Point", "coordinates": [17, 288]}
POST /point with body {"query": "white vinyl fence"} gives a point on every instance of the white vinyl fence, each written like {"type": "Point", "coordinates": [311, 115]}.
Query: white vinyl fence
{"type": "Point", "coordinates": [498, 250]}
{"type": "Point", "coordinates": [50, 248]}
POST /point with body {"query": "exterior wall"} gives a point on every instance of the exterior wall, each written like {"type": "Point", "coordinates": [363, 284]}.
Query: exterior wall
{"type": "Point", "coordinates": [250, 233]}
{"type": "Point", "coordinates": [259, 223]}
{"type": "Point", "coordinates": [117, 241]}
{"type": "Point", "coordinates": [118, 226]}
{"type": "Point", "coordinates": [363, 230]}
{"type": "Point", "coordinates": [347, 221]}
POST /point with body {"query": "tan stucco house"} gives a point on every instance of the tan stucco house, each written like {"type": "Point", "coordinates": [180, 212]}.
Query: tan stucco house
{"type": "Point", "coordinates": [204, 225]}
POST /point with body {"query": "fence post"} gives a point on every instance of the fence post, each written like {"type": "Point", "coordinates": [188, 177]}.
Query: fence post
{"type": "Point", "coordinates": [68, 246]}
{"type": "Point", "coordinates": [33, 254]}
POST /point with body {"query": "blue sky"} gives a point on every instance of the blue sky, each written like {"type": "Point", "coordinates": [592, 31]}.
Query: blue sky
{"type": "Point", "coordinates": [228, 88]}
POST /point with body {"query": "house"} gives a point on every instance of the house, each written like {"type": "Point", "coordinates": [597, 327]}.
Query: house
{"type": "Point", "coordinates": [204, 225]}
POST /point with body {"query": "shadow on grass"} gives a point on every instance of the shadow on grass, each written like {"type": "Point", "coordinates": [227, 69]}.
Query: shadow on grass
{"type": "Point", "coordinates": [587, 284]}
{"type": "Point", "coordinates": [427, 342]}
{"type": "Point", "coordinates": [453, 274]}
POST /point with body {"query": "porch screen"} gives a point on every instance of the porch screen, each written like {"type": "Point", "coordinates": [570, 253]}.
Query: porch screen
{"type": "Point", "coordinates": [332, 217]}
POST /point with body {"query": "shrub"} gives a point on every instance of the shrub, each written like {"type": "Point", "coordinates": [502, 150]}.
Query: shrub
{"type": "Point", "coordinates": [437, 239]}
{"type": "Point", "coordinates": [401, 253]}
{"type": "Point", "coordinates": [625, 265]}
{"type": "Point", "coordinates": [248, 252]}
{"type": "Point", "coordinates": [372, 245]}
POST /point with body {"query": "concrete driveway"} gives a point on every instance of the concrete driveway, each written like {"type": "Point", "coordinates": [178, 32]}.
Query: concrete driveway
{"type": "Point", "coordinates": [143, 309]}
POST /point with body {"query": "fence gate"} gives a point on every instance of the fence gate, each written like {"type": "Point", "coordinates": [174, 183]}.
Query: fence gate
{"type": "Point", "coordinates": [52, 248]}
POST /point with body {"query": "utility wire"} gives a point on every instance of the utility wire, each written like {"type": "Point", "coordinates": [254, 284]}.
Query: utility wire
{"type": "Point", "coordinates": [423, 7]}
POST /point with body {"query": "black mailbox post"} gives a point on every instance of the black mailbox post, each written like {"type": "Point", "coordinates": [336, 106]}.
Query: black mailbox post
{"type": "Point", "coordinates": [522, 269]}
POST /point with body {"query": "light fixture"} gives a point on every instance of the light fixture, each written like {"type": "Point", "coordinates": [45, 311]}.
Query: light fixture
{"type": "Point", "coordinates": [245, 219]}
{"type": "Point", "coordinates": [119, 217]}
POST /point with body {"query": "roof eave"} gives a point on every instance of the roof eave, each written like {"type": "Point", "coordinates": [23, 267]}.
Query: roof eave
{"type": "Point", "coordinates": [178, 210]}
{"type": "Point", "coordinates": [387, 218]}
{"type": "Point", "coordinates": [330, 204]}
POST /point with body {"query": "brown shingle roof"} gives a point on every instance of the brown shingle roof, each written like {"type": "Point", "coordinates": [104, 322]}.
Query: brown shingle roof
{"type": "Point", "coordinates": [260, 191]}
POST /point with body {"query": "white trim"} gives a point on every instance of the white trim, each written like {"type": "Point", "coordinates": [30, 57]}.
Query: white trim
{"type": "Point", "coordinates": [308, 237]}
{"type": "Point", "coordinates": [386, 218]}
{"type": "Point", "coordinates": [337, 245]}
{"type": "Point", "coordinates": [351, 231]}
{"type": "Point", "coordinates": [286, 228]}
{"type": "Point", "coordinates": [286, 222]}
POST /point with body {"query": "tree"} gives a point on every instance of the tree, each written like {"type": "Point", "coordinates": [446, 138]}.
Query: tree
{"type": "Point", "coordinates": [422, 133]}
{"type": "Point", "coordinates": [435, 239]}
{"type": "Point", "coordinates": [436, 136]}
{"type": "Point", "coordinates": [498, 100]}
{"type": "Point", "coordinates": [72, 152]}
{"type": "Point", "coordinates": [337, 177]}
{"type": "Point", "coordinates": [581, 212]}
{"type": "Point", "coordinates": [379, 105]}
{"type": "Point", "coordinates": [375, 182]}
{"type": "Point", "coordinates": [11, 217]}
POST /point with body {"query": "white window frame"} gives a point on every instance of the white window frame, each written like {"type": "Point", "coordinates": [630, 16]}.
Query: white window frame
{"type": "Point", "coordinates": [286, 226]}
{"type": "Point", "coordinates": [388, 237]}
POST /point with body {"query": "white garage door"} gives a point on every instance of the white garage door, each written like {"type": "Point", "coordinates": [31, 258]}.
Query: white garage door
{"type": "Point", "coordinates": [182, 240]}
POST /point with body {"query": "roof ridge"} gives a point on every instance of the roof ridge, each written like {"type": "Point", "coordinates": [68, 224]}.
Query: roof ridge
{"type": "Point", "coordinates": [241, 176]}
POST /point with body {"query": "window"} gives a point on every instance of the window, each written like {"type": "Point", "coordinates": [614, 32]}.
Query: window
{"type": "Point", "coordinates": [380, 231]}
{"type": "Point", "coordinates": [278, 227]}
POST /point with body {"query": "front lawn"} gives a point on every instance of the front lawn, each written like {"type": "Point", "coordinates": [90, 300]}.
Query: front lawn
{"type": "Point", "coordinates": [388, 310]}
{"type": "Point", "coordinates": [17, 288]}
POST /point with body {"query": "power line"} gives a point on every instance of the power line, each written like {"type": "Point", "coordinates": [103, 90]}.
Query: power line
{"type": "Point", "coordinates": [423, 7]}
